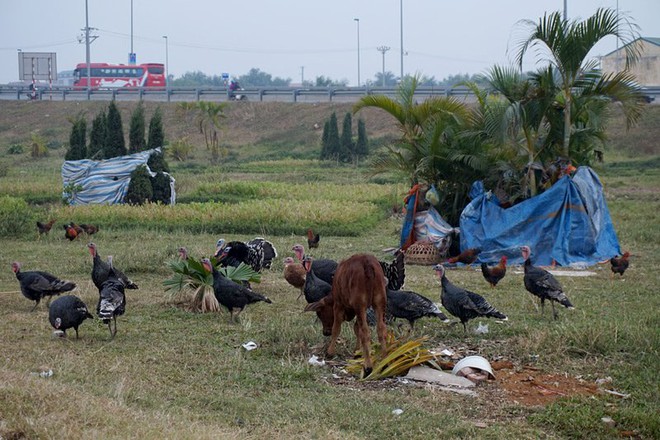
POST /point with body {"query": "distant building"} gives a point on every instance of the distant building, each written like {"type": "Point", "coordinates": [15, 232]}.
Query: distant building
{"type": "Point", "coordinates": [647, 69]}
{"type": "Point", "coordinates": [64, 78]}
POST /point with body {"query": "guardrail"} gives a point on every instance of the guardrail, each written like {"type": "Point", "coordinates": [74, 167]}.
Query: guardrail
{"type": "Point", "coordinates": [260, 94]}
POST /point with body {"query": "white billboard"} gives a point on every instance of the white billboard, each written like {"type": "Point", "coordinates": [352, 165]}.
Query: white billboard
{"type": "Point", "coordinates": [38, 66]}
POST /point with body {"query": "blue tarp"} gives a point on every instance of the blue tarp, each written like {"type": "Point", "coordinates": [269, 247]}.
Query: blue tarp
{"type": "Point", "coordinates": [569, 223]}
{"type": "Point", "coordinates": [105, 182]}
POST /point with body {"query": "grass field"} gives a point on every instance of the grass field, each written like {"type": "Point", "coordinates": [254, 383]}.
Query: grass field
{"type": "Point", "coordinates": [172, 373]}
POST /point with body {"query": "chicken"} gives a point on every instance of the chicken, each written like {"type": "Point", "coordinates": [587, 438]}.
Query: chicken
{"type": "Point", "coordinates": [36, 285]}
{"type": "Point", "coordinates": [44, 228]}
{"type": "Point", "coordinates": [463, 304]}
{"type": "Point", "coordinates": [312, 239]}
{"type": "Point", "coordinates": [294, 274]}
{"type": "Point", "coordinates": [411, 306]}
{"type": "Point", "coordinates": [112, 301]}
{"type": "Point", "coordinates": [539, 282]}
{"type": "Point", "coordinates": [257, 253]}
{"type": "Point", "coordinates": [494, 274]}
{"type": "Point", "coordinates": [67, 312]}
{"type": "Point", "coordinates": [231, 295]}
{"type": "Point", "coordinates": [89, 229]}
{"type": "Point", "coordinates": [468, 256]}
{"type": "Point", "coordinates": [77, 228]}
{"type": "Point", "coordinates": [620, 264]}
{"type": "Point", "coordinates": [395, 272]}
{"type": "Point", "coordinates": [101, 270]}
{"type": "Point", "coordinates": [70, 232]}
{"type": "Point", "coordinates": [323, 268]}
{"type": "Point", "coordinates": [315, 289]}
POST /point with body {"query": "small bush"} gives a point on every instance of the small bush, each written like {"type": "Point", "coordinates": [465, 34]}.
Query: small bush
{"type": "Point", "coordinates": [139, 190]}
{"type": "Point", "coordinates": [53, 145]}
{"type": "Point", "coordinates": [4, 169]}
{"type": "Point", "coordinates": [38, 148]}
{"type": "Point", "coordinates": [180, 149]}
{"type": "Point", "coordinates": [15, 149]}
{"type": "Point", "coordinates": [15, 217]}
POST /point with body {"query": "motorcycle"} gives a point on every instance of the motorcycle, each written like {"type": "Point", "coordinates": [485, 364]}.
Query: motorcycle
{"type": "Point", "coordinates": [237, 96]}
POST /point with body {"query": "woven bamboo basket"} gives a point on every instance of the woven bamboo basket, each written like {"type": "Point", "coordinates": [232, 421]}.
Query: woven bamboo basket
{"type": "Point", "coordinates": [422, 253]}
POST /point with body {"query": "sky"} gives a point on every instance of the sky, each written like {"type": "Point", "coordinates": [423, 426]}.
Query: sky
{"type": "Point", "coordinates": [296, 39]}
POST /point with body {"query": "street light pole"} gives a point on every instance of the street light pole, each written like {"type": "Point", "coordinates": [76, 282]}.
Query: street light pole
{"type": "Point", "coordinates": [401, 10]}
{"type": "Point", "coordinates": [167, 79]}
{"type": "Point", "coordinates": [358, 48]}
{"type": "Point", "coordinates": [383, 49]}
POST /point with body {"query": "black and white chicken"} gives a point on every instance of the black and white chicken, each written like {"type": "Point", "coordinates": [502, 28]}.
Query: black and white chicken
{"type": "Point", "coordinates": [395, 272]}
{"type": "Point", "coordinates": [36, 284]}
{"type": "Point", "coordinates": [67, 312]}
{"type": "Point", "coordinates": [463, 304]}
{"type": "Point", "coordinates": [257, 253]}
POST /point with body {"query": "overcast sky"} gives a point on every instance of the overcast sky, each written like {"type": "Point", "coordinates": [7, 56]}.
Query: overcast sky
{"type": "Point", "coordinates": [293, 39]}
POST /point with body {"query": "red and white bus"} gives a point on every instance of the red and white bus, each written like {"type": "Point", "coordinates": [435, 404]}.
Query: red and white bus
{"type": "Point", "coordinates": [112, 76]}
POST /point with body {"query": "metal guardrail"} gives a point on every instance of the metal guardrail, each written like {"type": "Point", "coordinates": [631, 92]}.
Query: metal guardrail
{"type": "Point", "coordinates": [260, 94]}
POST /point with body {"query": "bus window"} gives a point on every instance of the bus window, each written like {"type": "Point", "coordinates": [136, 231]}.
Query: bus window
{"type": "Point", "coordinates": [157, 70]}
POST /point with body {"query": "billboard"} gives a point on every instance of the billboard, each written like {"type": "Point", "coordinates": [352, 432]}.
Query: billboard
{"type": "Point", "coordinates": [37, 66]}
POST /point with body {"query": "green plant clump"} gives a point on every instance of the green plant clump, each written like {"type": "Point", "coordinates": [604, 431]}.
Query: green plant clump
{"type": "Point", "coordinates": [15, 217]}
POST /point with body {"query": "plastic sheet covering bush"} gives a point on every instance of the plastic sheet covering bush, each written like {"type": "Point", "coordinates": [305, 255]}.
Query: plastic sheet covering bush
{"type": "Point", "coordinates": [106, 181]}
{"type": "Point", "coordinates": [569, 223]}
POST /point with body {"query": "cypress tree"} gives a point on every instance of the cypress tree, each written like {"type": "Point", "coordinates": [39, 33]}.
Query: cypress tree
{"type": "Point", "coordinates": [157, 163]}
{"type": "Point", "coordinates": [77, 140]}
{"type": "Point", "coordinates": [115, 145]}
{"type": "Point", "coordinates": [97, 137]}
{"type": "Point", "coordinates": [362, 144]}
{"type": "Point", "coordinates": [346, 145]}
{"type": "Point", "coordinates": [324, 141]}
{"type": "Point", "coordinates": [156, 134]}
{"type": "Point", "coordinates": [161, 190]}
{"type": "Point", "coordinates": [139, 190]}
{"type": "Point", "coordinates": [136, 141]}
{"type": "Point", "coordinates": [334, 145]}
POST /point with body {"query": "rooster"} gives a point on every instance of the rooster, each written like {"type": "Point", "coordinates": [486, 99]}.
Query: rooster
{"type": "Point", "coordinates": [36, 285]}
{"type": "Point", "coordinates": [539, 282]}
{"type": "Point", "coordinates": [620, 264]}
{"type": "Point", "coordinates": [70, 232]}
{"type": "Point", "coordinates": [89, 229]}
{"type": "Point", "coordinates": [44, 228]}
{"type": "Point", "coordinates": [494, 274]}
{"type": "Point", "coordinates": [312, 239]}
{"type": "Point", "coordinates": [468, 256]}
{"type": "Point", "coordinates": [463, 304]}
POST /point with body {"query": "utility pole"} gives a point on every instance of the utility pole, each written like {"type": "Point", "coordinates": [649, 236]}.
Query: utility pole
{"type": "Point", "coordinates": [401, 9]}
{"type": "Point", "coordinates": [383, 49]}
{"type": "Point", "coordinates": [358, 48]}
{"type": "Point", "coordinates": [167, 62]}
{"type": "Point", "coordinates": [131, 57]}
{"type": "Point", "coordinates": [302, 75]}
{"type": "Point", "coordinates": [87, 58]}
{"type": "Point", "coordinates": [565, 10]}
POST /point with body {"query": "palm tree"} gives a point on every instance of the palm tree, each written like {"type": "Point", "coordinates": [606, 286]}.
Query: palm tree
{"type": "Point", "coordinates": [568, 43]}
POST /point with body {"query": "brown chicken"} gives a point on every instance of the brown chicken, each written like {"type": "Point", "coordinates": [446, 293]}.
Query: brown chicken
{"type": "Point", "coordinates": [620, 264]}
{"type": "Point", "coordinates": [494, 274]}
{"type": "Point", "coordinates": [312, 239]}
{"type": "Point", "coordinates": [89, 229]}
{"type": "Point", "coordinates": [70, 232]}
{"type": "Point", "coordinates": [78, 229]}
{"type": "Point", "coordinates": [294, 274]}
{"type": "Point", "coordinates": [468, 256]}
{"type": "Point", "coordinates": [44, 228]}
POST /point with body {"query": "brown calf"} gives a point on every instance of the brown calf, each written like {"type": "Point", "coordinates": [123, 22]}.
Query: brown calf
{"type": "Point", "coordinates": [359, 283]}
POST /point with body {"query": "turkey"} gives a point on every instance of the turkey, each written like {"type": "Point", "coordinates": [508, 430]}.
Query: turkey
{"type": "Point", "coordinates": [294, 274]}
{"type": "Point", "coordinates": [101, 270]}
{"type": "Point", "coordinates": [323, 268]}
{"type": "Point", "coordinates": [395, 272]}
{"type": "Point", "coordinates": [112, 301]}
{"type": "Point", "coordinates": [36, 285]}
{"type": "Point", "coordinates": [257, 253]}
{"type": "Point", "coordinates": [408, 305]}
{"type": "Point", "coordinates": [67, 312]}
{"type": "Point", "coordinates": [463, 304]}
{"type": "Point", "coordinates": [539, 282]}
{"type": "Point", "coordinates": [230, 294]}
{"type": "Point", "coordinates": [494, 274]}
{"type": "Point", "coordinates": [315, 289]}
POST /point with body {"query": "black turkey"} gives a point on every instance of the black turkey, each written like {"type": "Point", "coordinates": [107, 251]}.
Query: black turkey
{"type": "Point", "coordinates": [231, 295]}
{"type": "Point", "coordinates": [101, 270]}
{"type": "Point", "coordinates": [112, 301]}
{"type": "Point", "coordinates": [395, 272]}
{"type": "Point", "coordinates": [67, 312]}
{"type": "Point", "coordinates": [257, 253]}
{"type": "Point", "coordinates": [541, 283]}
{"type": "Point", "coordinates": [463, 304]}
{"type": "Point", "coordinates": [408, 305]}
{"type": "Point", "coordinates": [36, 285]}
{"type": "Point", "coordinates": [323, 268]}
{"type": "Point", "coordinates": [315, 288]}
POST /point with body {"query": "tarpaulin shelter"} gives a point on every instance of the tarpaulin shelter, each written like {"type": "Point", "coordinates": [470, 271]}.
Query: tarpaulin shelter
{"type": "Point", "coordinates": [105, 182]}
{"type": "Point", "coordinates": [569, 223]}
